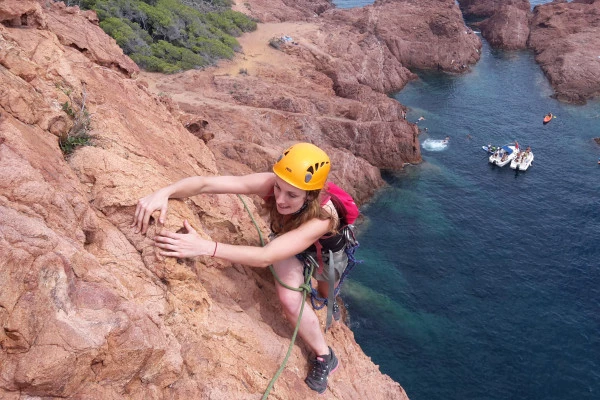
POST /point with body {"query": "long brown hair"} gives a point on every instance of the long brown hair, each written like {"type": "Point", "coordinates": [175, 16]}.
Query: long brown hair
{"type": "Point", "coordinates": [312, 209]}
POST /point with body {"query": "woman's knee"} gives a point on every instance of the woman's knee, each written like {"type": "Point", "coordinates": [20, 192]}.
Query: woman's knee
{"type": "Point", "coordinates": [290, 271]}
{"type": "Point", "coordinates": [291, 274]}
{"type": "Point", "coordinates": [290, 300]}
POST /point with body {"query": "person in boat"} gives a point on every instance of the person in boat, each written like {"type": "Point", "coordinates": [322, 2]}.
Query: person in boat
{"type": "Point", "coordinates": [299, 217]}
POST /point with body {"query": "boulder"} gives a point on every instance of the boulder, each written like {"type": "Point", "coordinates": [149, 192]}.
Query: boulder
{"type": "Point", "coordinates": [508, 25]}
{"type": "Point", "coordinates": [564, 36]}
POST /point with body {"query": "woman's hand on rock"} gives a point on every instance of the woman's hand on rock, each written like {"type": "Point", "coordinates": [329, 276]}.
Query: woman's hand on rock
{"type": "Point", "coordinates": [183, 245]}
{"type": "Point", "coordinates": [158, 200]}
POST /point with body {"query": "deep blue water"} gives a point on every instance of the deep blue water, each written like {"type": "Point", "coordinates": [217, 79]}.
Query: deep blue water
{"type": "Point", "coordinates": [480, 282]}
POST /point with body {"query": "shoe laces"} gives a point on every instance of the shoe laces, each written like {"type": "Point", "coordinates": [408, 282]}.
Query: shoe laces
{"type": "Point", "coordinates": [320, 368]}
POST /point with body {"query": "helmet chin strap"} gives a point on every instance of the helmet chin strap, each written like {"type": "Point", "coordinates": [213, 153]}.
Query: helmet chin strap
{"type": "Point", "coordinates": [301, 208]}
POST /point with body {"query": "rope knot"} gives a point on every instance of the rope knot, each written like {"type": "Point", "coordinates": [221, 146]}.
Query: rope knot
{"type": "Point", "coordinates": [305, 287]}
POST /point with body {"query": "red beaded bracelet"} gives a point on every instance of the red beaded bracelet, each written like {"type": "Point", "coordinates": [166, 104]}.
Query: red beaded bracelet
{"type": "Point", "coordinates": [215, 251]}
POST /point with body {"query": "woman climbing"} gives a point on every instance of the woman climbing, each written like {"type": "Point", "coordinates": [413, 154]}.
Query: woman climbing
{"type": "Point", "coordinates": [299, 216]}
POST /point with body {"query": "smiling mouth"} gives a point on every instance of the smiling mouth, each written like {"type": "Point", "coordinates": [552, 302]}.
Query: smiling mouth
{"type": "Point", "coordinates": [283, 208]}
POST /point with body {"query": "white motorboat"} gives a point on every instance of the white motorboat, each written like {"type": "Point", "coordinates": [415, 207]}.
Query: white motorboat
{"type": "Point", "coordinates": [522, 160]}
{"type": "Point", "coordinates": [503, 156]}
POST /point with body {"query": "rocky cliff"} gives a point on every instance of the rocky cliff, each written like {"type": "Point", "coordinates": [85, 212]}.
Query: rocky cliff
{"type": "Point", "coordinates": [565, 37]}
{"type": "Point", "coordinates": [87, 308]}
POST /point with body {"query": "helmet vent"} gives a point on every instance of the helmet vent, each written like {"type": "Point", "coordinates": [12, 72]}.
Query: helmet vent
{"type": "Point", "coordinates": [308, 177]}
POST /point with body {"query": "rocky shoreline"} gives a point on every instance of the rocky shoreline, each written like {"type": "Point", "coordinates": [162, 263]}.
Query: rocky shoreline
{"type": "Point", "coordinates": [565, 37]}
{"type": "Point", "coordinates": [88, 310]}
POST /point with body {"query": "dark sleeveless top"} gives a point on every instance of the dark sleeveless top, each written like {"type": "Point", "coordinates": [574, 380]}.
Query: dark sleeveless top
{"type": "Point", "coordinates": [333, 242]}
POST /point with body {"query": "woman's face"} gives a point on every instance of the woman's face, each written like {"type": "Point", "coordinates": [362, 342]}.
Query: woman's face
{"type": "Point", "coordinates": [288, 198]}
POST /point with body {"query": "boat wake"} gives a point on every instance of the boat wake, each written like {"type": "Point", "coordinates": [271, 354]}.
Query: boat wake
{"type": "Point", "coordinates": [434, 145]}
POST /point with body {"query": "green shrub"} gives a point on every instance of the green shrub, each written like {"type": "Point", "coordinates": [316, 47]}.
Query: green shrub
{"type": "Point", "coordinates": [154, 64]}
{"type": "Point", "coordinates": [213, 47]}
{"type": "Point", "coordinates": [129, 36]}
{"type": "Point", "coordinates": [79, 134]}
{"type": "Point", "coordinates": [66, 107]}
{"type": "Point", "coordinates": [68, 144]}
{"type": "Point", "coordinates": [241, 20]}
{"type": "Point", "coordinates": [199, 32]}
{"type": "Point", "coordinates": [168, 58]}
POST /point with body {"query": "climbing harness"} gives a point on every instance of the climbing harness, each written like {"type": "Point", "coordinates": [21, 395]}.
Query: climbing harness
{"type": "Point", "coordinates": [351, 246]}
{"type": "Point", "coordinates": [318, 302]}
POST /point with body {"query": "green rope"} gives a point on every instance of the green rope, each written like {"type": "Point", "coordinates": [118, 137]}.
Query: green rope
{"type": "Point", "coordinates": [305, 288]}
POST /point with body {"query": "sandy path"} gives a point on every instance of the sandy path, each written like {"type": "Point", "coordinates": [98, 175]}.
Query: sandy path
{"type": "Point", "coordinates": [256, 51]}
{"type": "Point", "coordinates": [256, 48]}
{"type": "Point", "coordinates": [193, 87]}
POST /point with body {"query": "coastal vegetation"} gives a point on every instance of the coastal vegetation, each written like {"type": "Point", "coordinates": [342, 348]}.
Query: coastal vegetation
{"type": "Point", "coordinates": [171, 35]}
{"type": "Point", "coordinates": [79, 133]}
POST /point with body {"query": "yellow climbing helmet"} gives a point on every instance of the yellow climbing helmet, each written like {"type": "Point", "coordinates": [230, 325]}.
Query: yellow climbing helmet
{"type": "Point", "coordinates": [304, 166]}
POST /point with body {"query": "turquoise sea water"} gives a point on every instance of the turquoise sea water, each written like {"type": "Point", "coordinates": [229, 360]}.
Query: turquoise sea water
{"type": "Point", "coordinates": [480, 282]}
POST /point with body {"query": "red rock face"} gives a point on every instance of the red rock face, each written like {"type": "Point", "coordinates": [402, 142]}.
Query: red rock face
{"type": "Point", "coordinates": [427, 34]}
{"type": "Point", "coordinates": [508, 27]}
{"type": "Point", "coordinates": [87, 309]}
{"type": "Point", "coordinates": [505, 24]}
{"type": "Point", "coordinates": [487, 8]}
{"type": "Point", "coordinates": [281, 11]}
{"type": "Point", "coordinates": [565, 39]}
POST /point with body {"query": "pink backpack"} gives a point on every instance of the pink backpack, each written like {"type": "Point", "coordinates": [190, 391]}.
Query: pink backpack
{"type": "Point", "coordinates": [344, 204]}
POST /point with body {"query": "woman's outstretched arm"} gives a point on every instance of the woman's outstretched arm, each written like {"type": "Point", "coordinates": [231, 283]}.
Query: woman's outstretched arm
{"type": "Point", "coordinates": [190, 244]}
{"type": "Point", "coordinates": [260, 184]}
